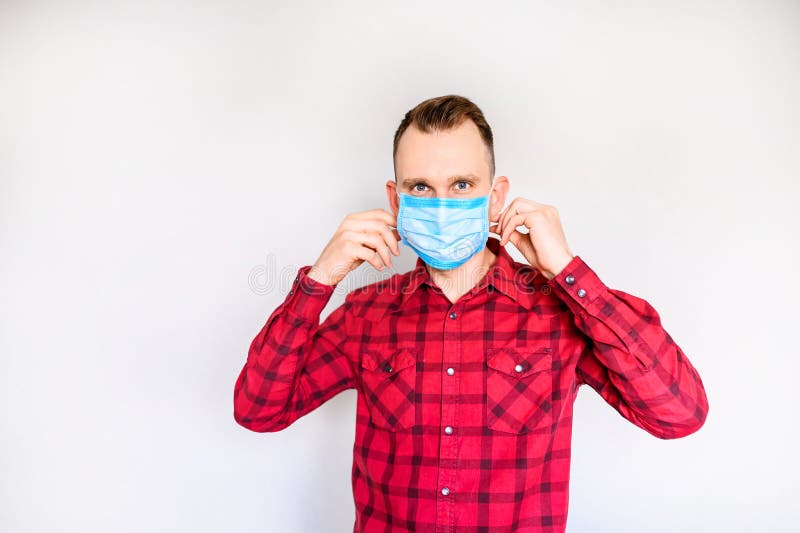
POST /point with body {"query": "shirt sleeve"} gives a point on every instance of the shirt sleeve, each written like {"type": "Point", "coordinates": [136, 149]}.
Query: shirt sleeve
{"type": "Point", "coordinates": [295, 364]}
{"type": "Point", "coordinates": [629, 358]}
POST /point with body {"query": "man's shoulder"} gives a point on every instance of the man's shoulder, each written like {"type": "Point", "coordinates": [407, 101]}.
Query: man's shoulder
{"type": "Point", "coordinates": [374, 299]}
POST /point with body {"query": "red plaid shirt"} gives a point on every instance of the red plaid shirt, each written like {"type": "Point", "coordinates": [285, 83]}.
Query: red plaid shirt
{"type": "Point", "coordinates": [464, 410]}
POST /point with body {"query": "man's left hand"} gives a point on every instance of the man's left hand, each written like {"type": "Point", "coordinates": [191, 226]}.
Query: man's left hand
{"type": "Point", "coordinates": [544, 246]}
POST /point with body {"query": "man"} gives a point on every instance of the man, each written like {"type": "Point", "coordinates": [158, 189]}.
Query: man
{"type": "Point", "coordinates": [468, 365]}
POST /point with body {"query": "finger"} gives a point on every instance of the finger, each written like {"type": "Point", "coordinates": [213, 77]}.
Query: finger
{"type": "Point", "coordinates": [384, 252]}
{"type": "Point", "coordinates": [510, 211]}
{"type": "Point", "coordinates": [379, 214]}
{"type": "Point", "coordinates": [392, 227]}
{"type": "Point", "coordinates": [391, 240]}
{"type": "Point", "coordinates": [516, 207]}
{"type": "Point", "coordinates": [503, 213]}
{"type": "Point", "coordinates": [516, 238]}
{"type": "Point", "coordinates": [511, 225]}
{"type": "Point", "coordinates": [523, 244]}
{"type": "Point", "coordinates": [523, 205]}
{"type": "Point", "coordinates": [366, 254]}
{"type": "Point", "coordinates": [363, 239]}
{"type": "Point", "coordinates": [374, 241]}
{"type": "Point", "coordinates": [378, 242]}
{"type": "Point", "coordinates": [380, 227]}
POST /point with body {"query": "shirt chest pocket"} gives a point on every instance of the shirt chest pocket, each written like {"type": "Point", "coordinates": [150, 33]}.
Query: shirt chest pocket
{"type": "Point", "coordinates": [519, 389]}
{"type": "Point", "coordinates": [389, 382]}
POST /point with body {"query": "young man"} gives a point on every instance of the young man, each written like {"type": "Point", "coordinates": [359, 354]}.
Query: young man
{"type": "Point", "coordinates": [468, 365]}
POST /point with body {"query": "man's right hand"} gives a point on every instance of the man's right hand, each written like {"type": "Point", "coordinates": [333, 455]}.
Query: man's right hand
{"type": "Point", "coordinates": [364, 236]}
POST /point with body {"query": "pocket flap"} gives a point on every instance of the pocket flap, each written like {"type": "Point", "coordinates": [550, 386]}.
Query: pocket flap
{"type": "Point", "coordinates": [388, 362]}
{"type": "Point", "coordinates": [518, 363]}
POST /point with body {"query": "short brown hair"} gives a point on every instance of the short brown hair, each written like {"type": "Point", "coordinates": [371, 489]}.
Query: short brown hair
{"type": "Point", "coordinates": [443, 113]}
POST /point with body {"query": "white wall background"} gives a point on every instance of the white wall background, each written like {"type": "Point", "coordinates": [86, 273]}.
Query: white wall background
{"type": "Point", "coordinates": [157, 158]}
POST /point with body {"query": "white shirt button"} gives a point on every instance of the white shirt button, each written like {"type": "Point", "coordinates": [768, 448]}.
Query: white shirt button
{"type": "Point", "coordinates": [445, 491]}
{"type": "Point", "coordinates": [448, 430]}
{"type": "Point", "coordinates": [451, 371]}
{"type": "Point", "coordinates": [518, 368]}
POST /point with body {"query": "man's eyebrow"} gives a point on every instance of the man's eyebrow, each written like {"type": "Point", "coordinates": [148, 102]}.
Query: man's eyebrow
{"type": "Point", "coordinates": [466, 177]}
{"type": "Point", "coordinates": [410, 182]}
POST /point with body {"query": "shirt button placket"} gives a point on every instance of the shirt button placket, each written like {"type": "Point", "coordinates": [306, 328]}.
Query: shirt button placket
{"type": "Point", "coordinates": [448, 444]}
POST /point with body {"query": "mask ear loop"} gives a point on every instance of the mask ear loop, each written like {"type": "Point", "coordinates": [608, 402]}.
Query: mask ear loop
{"type": "Point", "coordinates": [489, 201]}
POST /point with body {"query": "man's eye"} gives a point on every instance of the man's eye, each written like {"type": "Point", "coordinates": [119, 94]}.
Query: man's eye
{"type": "Point", "coordinates": [460, 183]}
{"type": "Point", "coordinates": [417, 187]}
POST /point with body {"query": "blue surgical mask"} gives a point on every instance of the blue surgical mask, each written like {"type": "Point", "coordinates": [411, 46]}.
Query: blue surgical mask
{"type": "Point", "coordinates": [444, 232]}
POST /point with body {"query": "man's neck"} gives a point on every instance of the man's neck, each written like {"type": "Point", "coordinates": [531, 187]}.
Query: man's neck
{"type": "Point", "coordinates": [457, 282]}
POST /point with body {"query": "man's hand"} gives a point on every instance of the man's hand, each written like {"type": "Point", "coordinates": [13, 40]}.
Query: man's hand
{"type": "Point", "coordinates": [544, 246]}
{"type": "Point", "coordinates": [363, 236]}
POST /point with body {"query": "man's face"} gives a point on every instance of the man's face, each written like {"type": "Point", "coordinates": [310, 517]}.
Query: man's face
{"type": "Point", "coordinates": [445, 164]}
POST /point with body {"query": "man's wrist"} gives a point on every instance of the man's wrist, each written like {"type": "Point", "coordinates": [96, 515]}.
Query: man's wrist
{"type": "Point", "coordinates": [307, 296]}
{"type": "Point", "coordinates": [320, 276]}
{"type": "Point", "coordinates": [577, 285]}
{"type": "Point", "coordinates": [558, 268]}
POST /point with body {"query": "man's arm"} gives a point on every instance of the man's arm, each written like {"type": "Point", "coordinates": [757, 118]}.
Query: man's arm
{"type": "Point", "coordinates": [629, 359]}
{"type": "Point", "coordinates": [295, 364]}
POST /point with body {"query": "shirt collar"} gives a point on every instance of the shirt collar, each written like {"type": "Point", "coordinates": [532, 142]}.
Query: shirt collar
{"type": "Point", "coordinates": [513, 279]}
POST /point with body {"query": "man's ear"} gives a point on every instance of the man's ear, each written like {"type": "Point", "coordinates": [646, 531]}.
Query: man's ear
{"type": "Point", "coordinates": [497, 198]}
{"type": "Point", "coordinates": [391, 193]}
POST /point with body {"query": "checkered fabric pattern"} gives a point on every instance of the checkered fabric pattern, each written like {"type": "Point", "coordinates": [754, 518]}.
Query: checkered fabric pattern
{"type": "Point", "coordinates": [464, 410]}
